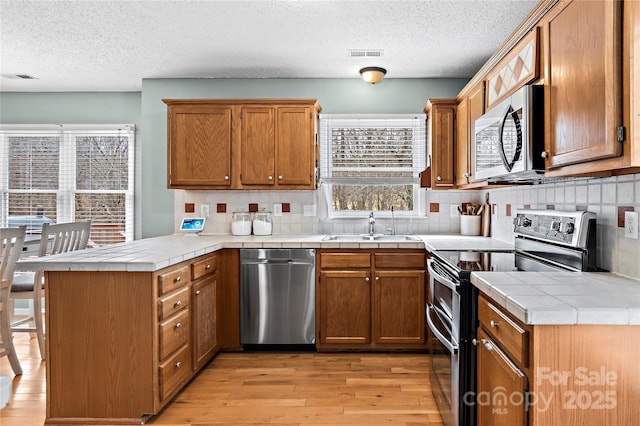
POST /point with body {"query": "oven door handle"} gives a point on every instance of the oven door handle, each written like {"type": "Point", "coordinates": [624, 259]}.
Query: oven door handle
{"type": "Point", "coordinates": [450, 346]}
{"type": "Point", "coordinates": [447, 282]}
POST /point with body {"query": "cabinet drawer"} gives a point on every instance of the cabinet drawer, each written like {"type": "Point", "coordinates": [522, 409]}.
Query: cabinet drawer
{"type": "Point", "coordinates": [173, 303]}
{"type": "Point", "coordinates": [507, 333]}
{"type": "Point", "coordinates": [341, 260]}
{"type": "Point", "coordinates": [174, 372]}
{"type": "Point", "coordinates": [203, 267]}
{"type": "Point", "coordinates": [400, 260]}
{"type": "Point", "coordinates": [172, 280]}
{"type": "Point", "coordinates": [174, 333]}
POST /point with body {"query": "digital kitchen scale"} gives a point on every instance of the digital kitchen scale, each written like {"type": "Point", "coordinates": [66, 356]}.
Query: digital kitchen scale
{"type": "Point", "coordinates": [192, 226]}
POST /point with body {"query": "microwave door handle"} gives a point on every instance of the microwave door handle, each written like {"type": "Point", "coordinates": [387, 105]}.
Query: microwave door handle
{"type": "Point", "coordinates": [450, 346]}
{"type": "Point", "coordinates": [447, 282]}
{"type": "Point", "coordinates": [510, 112]}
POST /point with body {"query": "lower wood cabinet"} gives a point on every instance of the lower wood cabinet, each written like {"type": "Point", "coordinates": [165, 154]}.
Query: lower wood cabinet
{"type": "Point", "coordinates": [205, 335]}
{"type": "Point", "coordinates": [121, 344]}
{"type": "Point", "coordinates": [543, 375]}
{"type": "Point", "coordinates": [370, 299]}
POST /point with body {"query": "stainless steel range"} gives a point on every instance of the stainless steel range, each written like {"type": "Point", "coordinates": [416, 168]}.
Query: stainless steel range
{"type": "Point", "coordinates": [546, 240]}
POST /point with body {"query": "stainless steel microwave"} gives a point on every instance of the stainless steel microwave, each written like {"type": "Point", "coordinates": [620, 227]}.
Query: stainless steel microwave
{"type": "Point", "coordinates": [509, 138]}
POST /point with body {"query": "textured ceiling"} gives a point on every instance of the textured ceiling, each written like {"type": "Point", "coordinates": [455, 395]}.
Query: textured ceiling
{"type": "Point", "coordinates": [113, 45]}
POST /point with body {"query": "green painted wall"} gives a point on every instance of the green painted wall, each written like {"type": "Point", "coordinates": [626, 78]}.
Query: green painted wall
{"type": "Point", "coordinates": [154, 202]}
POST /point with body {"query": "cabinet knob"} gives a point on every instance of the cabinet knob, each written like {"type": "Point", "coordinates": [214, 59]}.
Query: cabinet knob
{"type": "Point", "coordinates": [178, 325]}
{"type": "Point", "coordinates": [493, 324]}
{"type": "Point", "coordinates": [270, 177]}
{"type": "Point", "coordinates": [465, 175]}
{"type": "Point", "coordinates": [177, 304]}
{"type": "Point", "coordinates": [226, 178]}
{"type": "Point", "coordinates": [438, 178]}
{"type": "Point", "coordinates": [178, 279]}
{"type": "Point", "coordinates": [366, 279]}
{"type": "Point", "coordinates": [178, 364]}
{"type": "Point", "coordinates": [474, 342]}
{"type": "Point", "coordinates": [377, 278]}
{"type": "Point", "coordinates": [487, 345]}
{"type": "Point", "coordinates": [197, 292]}
{"type": "Point", "coordinates": [279, 177]}
{"type": "Point", "coordinates": [544, 154]}
{"type": "Point", "coordinates": [207, 267]}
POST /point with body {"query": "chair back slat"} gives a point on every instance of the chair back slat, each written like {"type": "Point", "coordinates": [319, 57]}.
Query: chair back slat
{"type": "Point", "coordinates": [64, 237]}
{"type": "Point", "coordinates": [11, 242]}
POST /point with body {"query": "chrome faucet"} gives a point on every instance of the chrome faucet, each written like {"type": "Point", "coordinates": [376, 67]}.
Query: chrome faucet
{"type": "Point", "coordinates": [372, 224]}
{"type": "Point", "coordinates": [393, 222]}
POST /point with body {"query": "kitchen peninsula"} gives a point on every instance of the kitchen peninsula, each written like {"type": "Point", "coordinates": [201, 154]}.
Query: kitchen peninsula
{"type": "Point", "coordinates": [127, 328]}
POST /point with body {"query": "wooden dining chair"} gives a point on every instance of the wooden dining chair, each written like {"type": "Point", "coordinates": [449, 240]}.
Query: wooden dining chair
{"type": "Point", "coordinates": [56, 238]}
{"type": "Point", "coordinates": [11, 242]}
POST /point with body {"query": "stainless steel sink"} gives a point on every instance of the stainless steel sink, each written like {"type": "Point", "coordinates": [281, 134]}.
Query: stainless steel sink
{"type": "Point", "coordinates": [367, 237]}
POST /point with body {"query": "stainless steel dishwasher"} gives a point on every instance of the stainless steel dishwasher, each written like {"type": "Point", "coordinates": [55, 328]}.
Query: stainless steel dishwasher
{"type": "Point", "coordinates": [277, 297]}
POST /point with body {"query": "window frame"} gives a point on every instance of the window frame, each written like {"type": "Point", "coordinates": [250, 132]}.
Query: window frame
{"type": "Point", "coordinates": [67, 185]}
{"type": "Point", "coordinates": [419, 163]}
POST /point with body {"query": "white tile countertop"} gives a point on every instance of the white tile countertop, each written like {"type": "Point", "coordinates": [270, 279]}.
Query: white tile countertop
{"type": "Point", "coordinates": [152, 254]}
{"type": "Point", "coordinates": [564, 298]}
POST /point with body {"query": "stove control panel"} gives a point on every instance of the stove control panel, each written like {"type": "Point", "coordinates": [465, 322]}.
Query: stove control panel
{"type": "Point", "coordinates": [568, 228]}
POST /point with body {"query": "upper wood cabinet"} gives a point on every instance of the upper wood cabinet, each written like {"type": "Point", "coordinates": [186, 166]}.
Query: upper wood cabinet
{"type": "Point", "coordinates": [242, 143]}
{"type": "Point", "coordinates": [583, 87]}
{"type": "Point", "coordinates": [199, 149]}
{"type": "Point", "coordinates": [469, 108]}
{"type": "Point", "coordinates": [258, 146]}
{"type": "Point", "coordinates": [462, 143]}
{"type": "Point", "coordinates": [440, 141]}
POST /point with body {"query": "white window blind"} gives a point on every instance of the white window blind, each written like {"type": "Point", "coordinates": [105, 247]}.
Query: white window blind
{"type": "Point", "coordinates": [372, 162]}
{"type": "Point", "coordinates": [372, 149]}
{"type": "Point", "coordinates": [67, 173]}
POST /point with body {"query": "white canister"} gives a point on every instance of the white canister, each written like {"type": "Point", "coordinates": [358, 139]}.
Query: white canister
{"type": "Point", "coordinates": [470, 224]}
{"type": "Point", "coordinates": [262, 223]}
{"type": "Point", "coordinates": [241, 223]}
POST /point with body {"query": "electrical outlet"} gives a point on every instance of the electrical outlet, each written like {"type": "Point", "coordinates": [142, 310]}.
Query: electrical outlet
{"type": "Point", "coordinates": [454, 210]}
{"type": "Point", "coordinates": [204, 210]}
{"type": "Point", "coordinates": [631, 225]}
{"type": "Point", "coordinates": [277, 210]}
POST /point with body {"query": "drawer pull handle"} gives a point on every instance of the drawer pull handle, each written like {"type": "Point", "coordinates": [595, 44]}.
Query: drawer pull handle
{"type": "Point", "coordinates": [207, 267]}
{"type": "Point", "coordinates": [178, 279]}
{"type": "Point", "coordinates": [487, 345]}
{"type": "Point", "coordinates": [178, 325]}
{"type": "Point", "coordinates": [197, 292]}
{"type": "Point", "coordinates": [493, 324]}
{"type": "Point", "coordinates": [178, 364]}
{"type": "Point", "coordinates": [177, 304]}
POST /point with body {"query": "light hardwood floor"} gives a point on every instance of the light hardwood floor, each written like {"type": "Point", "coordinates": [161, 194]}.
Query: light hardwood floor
{"type": "Point", "coordinates": [294, 389]}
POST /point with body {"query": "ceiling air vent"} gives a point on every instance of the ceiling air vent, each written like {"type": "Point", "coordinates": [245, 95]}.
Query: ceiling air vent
{"type": "Point", "coordinates": [365, 53]}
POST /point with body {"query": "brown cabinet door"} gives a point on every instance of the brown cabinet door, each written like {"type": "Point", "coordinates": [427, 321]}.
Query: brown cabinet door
{"type": "Point", "coordinates": [345, 307]}
{"type": "Point", "coordinates": [462, 143]}
{"type": "Point", "coordinates": [257, 146]}
{"type": "Point", "coordinates": [295, 146]}
{"type": "Point", "coordinates": [199, 148]}
{"type": "Point", "coordinates": [476, 109]}
{"type": "Point", "coordinates": [204, 320]}
{"type": "Point", "coordinates": [583, 91]}
{"type": "Point", "coordinates": [442, 134]}
{"type": "Point", "coordinates": [501, 387]}
{"type": "Point", "coordinates": [398, 307]}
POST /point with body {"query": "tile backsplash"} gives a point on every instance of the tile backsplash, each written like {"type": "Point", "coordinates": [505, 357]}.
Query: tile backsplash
{"type": "Point", "coordinates": [308, 213]}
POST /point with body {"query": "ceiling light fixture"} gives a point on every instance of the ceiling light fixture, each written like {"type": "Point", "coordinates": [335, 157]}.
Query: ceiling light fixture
{"type": "Point", "coordinates": [373, 75]}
